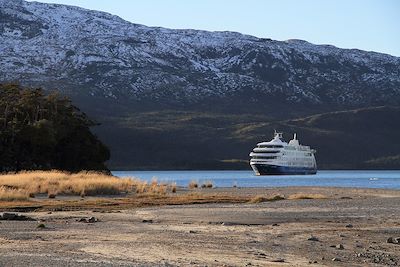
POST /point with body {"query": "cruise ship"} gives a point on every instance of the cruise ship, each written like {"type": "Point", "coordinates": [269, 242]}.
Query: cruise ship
{"type": "Point", "coordinates": [277, 157]}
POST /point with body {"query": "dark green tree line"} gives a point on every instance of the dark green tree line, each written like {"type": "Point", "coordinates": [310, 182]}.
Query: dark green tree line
{"type": "Point", "coordinates": [45, 131]}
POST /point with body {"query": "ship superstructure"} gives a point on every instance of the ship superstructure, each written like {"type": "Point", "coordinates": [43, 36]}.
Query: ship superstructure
{"type": "Point", "coordinates": [277, 157]}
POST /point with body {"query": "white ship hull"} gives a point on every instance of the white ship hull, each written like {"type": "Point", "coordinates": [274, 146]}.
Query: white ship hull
{"type": "Point", "coordinates": [277, 157]}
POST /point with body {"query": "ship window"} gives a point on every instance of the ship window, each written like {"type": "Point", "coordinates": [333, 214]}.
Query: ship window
{"type": "Point", "coordinates": [270, 146]}
{"type": "Point", "coordinates": [267, 152]}
{"type": "Point", "coordinates": [264, 157]}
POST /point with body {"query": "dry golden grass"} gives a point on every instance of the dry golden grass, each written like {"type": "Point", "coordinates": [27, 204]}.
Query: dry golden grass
{"type": "Point", "coordinates": [259, 199]}
{"type": "Point", "coordinates": [9, 194]}
{"type": "Point", "coordinates": [22, 185]}
{"type": "Point", "coordinates": [120, 203]}
{"type": "Point", "coordinates": [154, 188]}
{"type": "Point", "coordinates": [57, 182]}
{"type": "Point", "coordinates": [307, 196]}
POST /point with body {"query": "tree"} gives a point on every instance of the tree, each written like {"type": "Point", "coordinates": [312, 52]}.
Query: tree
{"type": "Point", "coordinates": [39, 131]}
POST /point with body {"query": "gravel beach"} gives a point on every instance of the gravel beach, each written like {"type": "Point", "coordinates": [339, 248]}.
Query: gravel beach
{"type": "Point", "coordinates": [347, 227]}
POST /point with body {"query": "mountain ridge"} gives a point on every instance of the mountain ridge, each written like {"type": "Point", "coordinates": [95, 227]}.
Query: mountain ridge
{"type": "Point", "coordinates": [189, 97]}
{"type": "Point", "coordinates": [113, 58]}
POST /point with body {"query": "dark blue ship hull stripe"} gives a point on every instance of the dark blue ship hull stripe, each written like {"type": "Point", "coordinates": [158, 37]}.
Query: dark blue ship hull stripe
{"type": "Point", "coordinates": [263, 169]}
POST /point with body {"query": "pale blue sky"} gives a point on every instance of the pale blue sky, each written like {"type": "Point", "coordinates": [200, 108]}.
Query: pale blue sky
{"type": "Point", "coordinates": [372, 25]}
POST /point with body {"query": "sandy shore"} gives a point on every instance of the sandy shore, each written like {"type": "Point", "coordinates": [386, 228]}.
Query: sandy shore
{"type": "Point", "coordinates": [348, 228]}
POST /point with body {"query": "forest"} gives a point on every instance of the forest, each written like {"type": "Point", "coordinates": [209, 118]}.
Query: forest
{"type": "Point", "coordinates": [40, 130]}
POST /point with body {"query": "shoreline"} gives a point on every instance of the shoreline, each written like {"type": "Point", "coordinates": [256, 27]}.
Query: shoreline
{"type": "Point", "coordinates": [338, 227]}
{"type": "Point", "coordinates": [389, 179]}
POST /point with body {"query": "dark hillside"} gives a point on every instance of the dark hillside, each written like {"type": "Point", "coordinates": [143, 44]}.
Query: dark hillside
{"type": "Point", "coordinates": [186, 140]}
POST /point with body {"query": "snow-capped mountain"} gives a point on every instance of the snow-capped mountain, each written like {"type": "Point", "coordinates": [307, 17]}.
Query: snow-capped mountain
{"type": "Point", "coordinates": [92, 53]}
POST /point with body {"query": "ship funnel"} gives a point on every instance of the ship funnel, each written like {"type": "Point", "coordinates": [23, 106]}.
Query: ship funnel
{"type": "Point", "coordinates": [294, 141]}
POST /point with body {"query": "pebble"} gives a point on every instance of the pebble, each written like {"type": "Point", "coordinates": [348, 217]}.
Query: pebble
{"type": "Point", "coordinates": [339, 246]}
{"type": "Point", "coordinates": [336, 259]}
{"type": "Point", "coordinates": [313, 238]}
{"type": "Point", "coordinates": [90, 220]}
{"type": "Point", "coordinates": [393, 240]}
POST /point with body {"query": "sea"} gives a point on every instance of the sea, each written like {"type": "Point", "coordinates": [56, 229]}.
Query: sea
{"type": "Point", "coordinates": [387, 179]}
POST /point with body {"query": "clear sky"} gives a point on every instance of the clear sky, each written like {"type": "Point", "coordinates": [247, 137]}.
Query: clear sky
{"type": "Point", "coordinates": [372, 25]}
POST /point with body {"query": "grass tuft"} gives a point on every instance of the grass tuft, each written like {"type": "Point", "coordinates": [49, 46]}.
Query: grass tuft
{"type": "Point", "coordinates": [207, 184]}
{"type": "Point", "coordinates": [307, 196]}
{"type": "Point", "coordinates": [276, 197]}
{"type": "Point", "coordinates": [173, 188]}
{"type": "Point", "coordinates": [259, 199]}
{"type": "Point", "coordinates": [12, 194]}
{"type": "Point", "coordinates": [193, 185]}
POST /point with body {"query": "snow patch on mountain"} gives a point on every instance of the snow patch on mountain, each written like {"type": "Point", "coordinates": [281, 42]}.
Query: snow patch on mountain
{"type": "Point", "coordinates": [73, 48]}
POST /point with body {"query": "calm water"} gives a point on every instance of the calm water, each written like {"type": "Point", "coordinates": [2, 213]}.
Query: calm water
{"type": "Point", "coordinates": [367, 179]}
